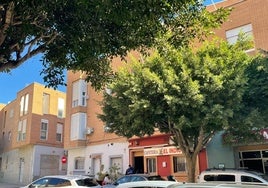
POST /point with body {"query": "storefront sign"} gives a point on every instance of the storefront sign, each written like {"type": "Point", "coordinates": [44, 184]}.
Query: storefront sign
{"type": "Point", "coordinates": [161, 151]}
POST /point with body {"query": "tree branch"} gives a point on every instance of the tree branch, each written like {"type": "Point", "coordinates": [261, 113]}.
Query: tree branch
{"type": "Point", "coordinates": [15, 63]}
{"type": "Point", "coordinates": [7, 22]}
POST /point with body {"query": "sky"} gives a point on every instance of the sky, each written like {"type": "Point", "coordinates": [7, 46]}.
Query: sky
{"type": "Point", "coordinates": [27, 73]}
{"type": "Point", "coordinates": [208, 2]}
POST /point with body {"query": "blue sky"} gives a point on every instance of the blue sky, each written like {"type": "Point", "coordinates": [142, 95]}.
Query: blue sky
{"type": "Point", "coordinates": [27, 73]}
{"type": "Point", "coordinates": [207, 2]}
{"type": "Point", "coordinates": [19, 78]}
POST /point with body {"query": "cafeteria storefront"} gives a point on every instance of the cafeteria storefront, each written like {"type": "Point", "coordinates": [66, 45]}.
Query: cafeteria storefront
{"type": "Point", "coordinates": [155, 155]}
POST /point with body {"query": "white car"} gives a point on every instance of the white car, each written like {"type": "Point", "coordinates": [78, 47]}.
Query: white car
{"type": "Point", "coordinates": [147, 184]}
{"type": "Point", "coordinates": [233, 175]}
{"type": "Point", "coordinates": [66, 181]}
{"type": "Point", "coordinates": [214, 185]}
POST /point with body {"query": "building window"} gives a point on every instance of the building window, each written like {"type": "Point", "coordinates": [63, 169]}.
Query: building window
{"type": "Point", "coordinates": [179, 164]}
{"type": "Point", "coordinates": [24, 102]}
{"type": "Point", "coordinates": [117, 164]}
{"type": "Point", "coordinates": [11, 113]}
{"type": "Point", "coordinates": [44, 129]}
{"type": "Point", "coordinates": [61, 108]}
{"type": "Point", "coordinates": [254, 160]}
{"type": "Point", "coordinates": [79, 93]}
{"type": "Point", "coordinates": [79, 163]}
{"type": "Point", "coordinates": [1, 163]}
{"type": "Point", "coordinates": [45, 104]}
{"type": "Point", "coordinates": [78, 126]}
{"type": "Point", "coordinates": [232, 34]}
{"type": "Point", "coordinates": [21, 105]}
{"type": "Point", "coordinates": [59, 132]}
{"type": "Point", "coordinates": [9, 136]}
{"type": "Point", "coordinates": [4, 119]}
{"type": "Point", "coordinates": [22, 130]}
{"type": "Point", "coordinates": [151, 165]}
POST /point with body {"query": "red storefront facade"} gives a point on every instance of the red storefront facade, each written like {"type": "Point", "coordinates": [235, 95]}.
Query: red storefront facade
{"type": "Point", "coordinates": [156, 155]}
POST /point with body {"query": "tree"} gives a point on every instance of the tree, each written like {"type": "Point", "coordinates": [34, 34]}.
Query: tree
{"type": "Point", "coordinates": [85, 35]}
{"type": "Point", "coordinates": [191, 93]}
{"type": "Point", "coordinates": [252, 119]}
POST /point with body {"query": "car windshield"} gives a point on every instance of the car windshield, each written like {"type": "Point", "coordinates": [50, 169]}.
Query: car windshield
{"type": "Point", "coordinates": [86, 182]}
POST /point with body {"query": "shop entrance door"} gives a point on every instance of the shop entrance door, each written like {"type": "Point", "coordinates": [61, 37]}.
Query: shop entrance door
{"type": "Point", "coordinates": [139, 164]}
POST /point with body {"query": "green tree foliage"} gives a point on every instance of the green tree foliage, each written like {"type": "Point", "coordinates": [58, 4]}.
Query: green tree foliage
{"type": "Point", "coordinates": [189, 93]}
{"type": "Point", "coordinates": [252, 119]}
{"type": "Point", "coordinates": [85, 35]}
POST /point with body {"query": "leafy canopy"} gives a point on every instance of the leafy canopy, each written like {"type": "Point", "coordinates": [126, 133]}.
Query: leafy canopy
{"type": "Point", "coordinates": [85, 35]}
{"type": "Point", "coordinates": [190, 93]}
{"type": "Point", "coordinates": [252, 119]}
{"type": "Point", "coordinates": [178, 89]}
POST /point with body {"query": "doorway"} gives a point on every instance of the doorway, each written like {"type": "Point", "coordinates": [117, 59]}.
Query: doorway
{"type": "Point", "coordinates": [139, 164]}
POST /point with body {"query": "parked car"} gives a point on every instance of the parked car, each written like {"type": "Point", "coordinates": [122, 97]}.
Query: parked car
{"type": "Point", "coordinates": [172, 184]}
{"type": "Point", "coordinates": [147, 184]}
{"type": "Point", "coordinates": [232, 175]}
{"type": "Point", "coordinates": [133, 178]}
{"type": "Point", "coordinates": [66, 181]}
{"type": "Point", "coordinates": [214, 185]}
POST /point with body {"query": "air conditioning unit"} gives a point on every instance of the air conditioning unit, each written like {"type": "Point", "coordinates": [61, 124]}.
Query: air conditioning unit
{"type": "Point", "coordinates": [89, 130]}
{"type": "Point", "coordinates": [107, 129]}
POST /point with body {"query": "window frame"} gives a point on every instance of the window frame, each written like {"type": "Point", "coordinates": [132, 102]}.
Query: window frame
{"type": "Point", "coordinates": [178, 165]}
{"type": "Point", "coordinates": [22, 127]}
{"type": "Point", "coordinates": [78, 126]}
{"type": "Point", "coordinates": [61, 107]}
{"type": "Point", "coordinates": [151, 165]}
{"type": "Point", "coordinates": [232, 34]}
{"type": "Point", "coordinates": [79, 93]}
{"type": "Point", "coordinates": [44, 122]}
{"type": "Point", "coordinates": [79, 163]}
{"type": "Point", "coordinates": [45, 103]}
{"type": "Point", "coordinates": [59, 131]}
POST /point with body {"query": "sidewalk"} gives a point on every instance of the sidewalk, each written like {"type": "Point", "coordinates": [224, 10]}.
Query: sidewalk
{"type": "Point", "coordinates": [9, 185]}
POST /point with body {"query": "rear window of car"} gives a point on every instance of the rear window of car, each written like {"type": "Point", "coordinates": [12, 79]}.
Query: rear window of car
{"type": "Point", "coordinates": [137, 178]}
{"type": "Point", "coordinates": [219, 177]}
{"type": "Point", "coordinates": [250, 179]}
{"type": "Point", "coordinates": [86, 182]}
{"type": "Point", "coordinates": [152, 178]}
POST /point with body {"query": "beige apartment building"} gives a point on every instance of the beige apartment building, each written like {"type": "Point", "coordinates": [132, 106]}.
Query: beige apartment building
{"type": "Point", "coordinates": [92, 149]}
{"type": "Point", "coordinates": [32, 132]}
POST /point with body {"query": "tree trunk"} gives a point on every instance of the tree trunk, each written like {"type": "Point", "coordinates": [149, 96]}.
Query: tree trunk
{"type": "Point", "coordinates": [191, 167]}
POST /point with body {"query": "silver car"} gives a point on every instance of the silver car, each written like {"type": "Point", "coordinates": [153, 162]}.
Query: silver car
{"type": "Point", "coordinates": [134, 178]}
{"type": "Point", "coordinates": [64, 181]}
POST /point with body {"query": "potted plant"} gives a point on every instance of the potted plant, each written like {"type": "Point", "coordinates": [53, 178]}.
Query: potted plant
{"type": "Point", "coordinates": [101, 175]}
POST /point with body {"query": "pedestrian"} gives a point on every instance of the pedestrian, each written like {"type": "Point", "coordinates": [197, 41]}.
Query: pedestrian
{"type": "Point", "coordinates": [106, 180]}
{"type": "Point", "coordinates": [130, 170]}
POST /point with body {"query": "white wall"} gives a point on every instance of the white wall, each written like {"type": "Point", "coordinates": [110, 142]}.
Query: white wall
{"type": "Point", "coordinates": [105, 151]}
{"type": "Point", "coordinates": [44, 150]}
